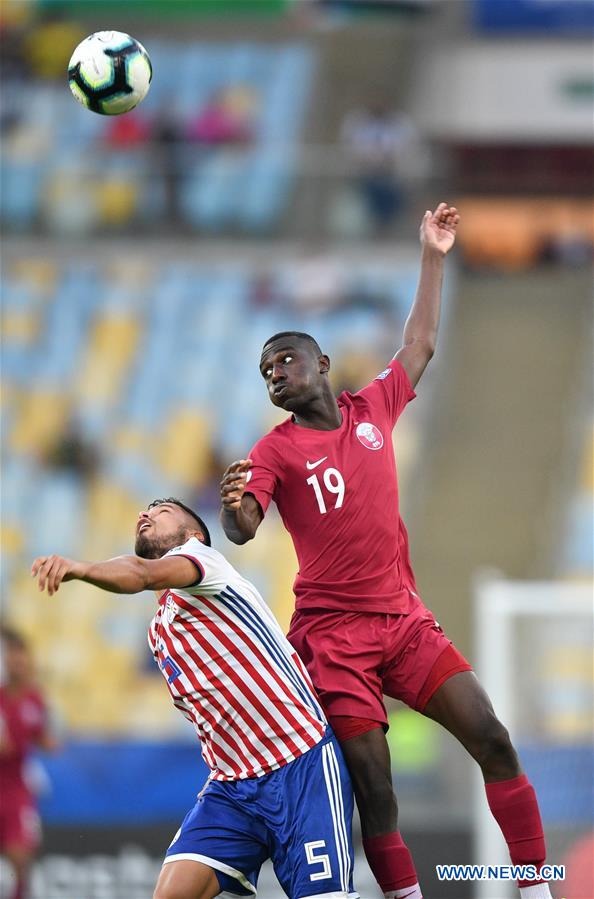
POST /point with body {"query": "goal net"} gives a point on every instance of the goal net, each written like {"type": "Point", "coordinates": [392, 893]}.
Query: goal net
{"type": "Point", "coordinates": [534, 653]}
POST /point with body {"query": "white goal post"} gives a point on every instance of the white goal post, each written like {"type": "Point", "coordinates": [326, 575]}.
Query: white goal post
{"type": "Point", "coordinates": [520, 628]}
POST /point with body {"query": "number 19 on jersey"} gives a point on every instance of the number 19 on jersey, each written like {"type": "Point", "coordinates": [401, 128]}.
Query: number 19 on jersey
{"type": "Point", "coordinates": [334, 484]}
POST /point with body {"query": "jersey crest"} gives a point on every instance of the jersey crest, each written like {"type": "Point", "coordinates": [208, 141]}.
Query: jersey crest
{"type": "Point", "coordinates": [369, 435]}
{"type": "Point", "coordinates": [170, 609]}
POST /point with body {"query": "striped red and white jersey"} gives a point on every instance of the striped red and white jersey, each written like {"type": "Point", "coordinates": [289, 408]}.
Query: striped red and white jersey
{"type": "Point", "coordinates": [231, 671]}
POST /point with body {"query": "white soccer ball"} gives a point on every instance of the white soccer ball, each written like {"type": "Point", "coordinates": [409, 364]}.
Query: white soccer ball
{"type": "Point", "coordinates": [110, 72]}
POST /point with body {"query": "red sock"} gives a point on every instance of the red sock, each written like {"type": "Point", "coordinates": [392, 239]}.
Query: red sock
{"type": "Point", "coordinates": [390, 861]}
{"type": "Point", "coordinates": [515, 808]}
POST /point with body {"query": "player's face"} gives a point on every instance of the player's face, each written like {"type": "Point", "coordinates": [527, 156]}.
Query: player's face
{"type": "Point", "coordinates": [160, 529]}
{"type": "Point", "coordinates": [292, 373]}
{"type": "Point", "coordinates": [17, 664]}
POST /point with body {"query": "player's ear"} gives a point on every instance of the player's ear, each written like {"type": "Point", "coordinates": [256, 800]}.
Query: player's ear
{"type": "Point", "coordinates": [199, 535]}
{"type": "Point", "coordinates": [324, 364]}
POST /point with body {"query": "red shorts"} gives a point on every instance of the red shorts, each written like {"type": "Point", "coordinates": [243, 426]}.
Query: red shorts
{"type": "Point", "coordinates": [354, 658]}
{"type": "Point", "coordinates": [20, 825]}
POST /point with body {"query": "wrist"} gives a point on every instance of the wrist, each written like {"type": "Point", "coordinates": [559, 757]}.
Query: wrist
{"type": "Point", "coordinates": [431, 253]}
{"type": "Point", "coordinates": [80, 571]}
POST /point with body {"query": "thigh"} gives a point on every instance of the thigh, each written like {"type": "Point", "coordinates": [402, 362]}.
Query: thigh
{"type": "Point", "coordinates": [222, 832]}
{"type": "Point", "coordinates": [187, 879]}
{"type": "Point", "coordinates": [462, 706]}
{"type": "Point", "coordinates": [343, 656]}
{"type": "Point", "coordinates": [311, 836]}
{"type": "Point", "coordinates": [416, 643]}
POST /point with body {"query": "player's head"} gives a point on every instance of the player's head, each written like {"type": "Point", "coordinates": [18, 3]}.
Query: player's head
{"type": "Point", "coordinates": [167, 523]}
{"type": "Point", "coordinates": [16, 658]}
{"type": "Point", "coordinates": [294, 368]}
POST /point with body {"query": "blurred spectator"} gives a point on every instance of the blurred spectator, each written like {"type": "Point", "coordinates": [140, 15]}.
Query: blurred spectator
{"type": "Point", "coordinates": [125, 132]}
{"type": "Point", "coordinates": [379, 142]}
{"type": "Point", "coordinates": [23, 726]}
{"type": "Point", "coordinates": [227, 119]}
{"type": "Point", "coordinates": [569, 246]}
{"type": "Point", "coordinates": [166, 139]}
{"type": "Point", "coordinates": [73, 452]}
{"type": "Point", "coordinates": [318, 283]}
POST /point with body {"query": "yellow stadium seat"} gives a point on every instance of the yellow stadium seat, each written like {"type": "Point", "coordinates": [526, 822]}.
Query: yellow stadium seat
{"type": "Point", "coordinates": [112, 343]}
{"type": "Point", "coordinates": [129, 439]}
{"type": "Point", "coordinates": [111, 516]}
{"type": "Point", "coordinates": [184, 450]}
{"type": "Point", "coordinates": [149, 711]}
{"type": "Point", "coordinates": [12, 539]}
{"type": "Point", "coordinates": [40, 420]}
{"type": "Point", "coordinates": [20, 326]}
{"type": "Point", "coordinates": [117, 201]}
{"type": "Point", "coordinates": [41, 275]}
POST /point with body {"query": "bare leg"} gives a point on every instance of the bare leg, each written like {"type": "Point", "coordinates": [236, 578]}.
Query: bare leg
{"type": "Point", "coordinates": [186, 879]}
{"type": "Point", "coordinates": [20, 860]}
{"type": "Point", "coordinates": [464, 709]}
{"type": "Point", "coordinates": [368, 760]}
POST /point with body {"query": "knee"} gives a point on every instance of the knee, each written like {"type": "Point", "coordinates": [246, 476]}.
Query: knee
{"type": "Point", "coordinates": [494, 751]}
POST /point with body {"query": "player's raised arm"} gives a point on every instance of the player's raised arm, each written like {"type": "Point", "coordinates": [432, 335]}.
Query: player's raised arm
{"type": "Point", "coordinates": [437, 233]}
{"type": "Point", "coordinates": [124, 574]}
{"type": "Point", "coordinates": [241, 514]}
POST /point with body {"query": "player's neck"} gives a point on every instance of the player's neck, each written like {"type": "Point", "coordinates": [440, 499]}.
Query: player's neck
{"type": "Point", "coordinates": [322, 414]}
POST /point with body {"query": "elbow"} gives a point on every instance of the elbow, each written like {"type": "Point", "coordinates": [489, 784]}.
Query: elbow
{"type": "Point", "coordinates": [429, 345]}
{"type": "Point", "coordinates": [240, 538]}
{"type": "Point", "coordinates": [426, 348]}
{"type": "Point", "coordinates": [143, 579]}
{"type": "Point", "coordinates": [423, 347]}
{"type": "Point", "coordinates": [237, 532]}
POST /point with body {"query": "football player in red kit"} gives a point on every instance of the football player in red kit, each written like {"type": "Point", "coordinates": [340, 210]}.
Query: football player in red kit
{"type": "Point", "coordinates": [359, 625]}
{"type": "Point", "coordinates": [23, 726]}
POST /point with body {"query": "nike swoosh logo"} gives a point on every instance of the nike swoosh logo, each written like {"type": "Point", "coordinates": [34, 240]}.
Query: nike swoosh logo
{"type": "Point", "coordinates": [310, 465]}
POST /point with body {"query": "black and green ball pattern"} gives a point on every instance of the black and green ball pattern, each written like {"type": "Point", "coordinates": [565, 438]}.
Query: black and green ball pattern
{"type": "Point", "coordinates": [109, 72]}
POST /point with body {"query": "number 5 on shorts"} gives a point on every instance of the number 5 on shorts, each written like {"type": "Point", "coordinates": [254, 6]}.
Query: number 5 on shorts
{"type": "Point", "coordinates": [313, 859]}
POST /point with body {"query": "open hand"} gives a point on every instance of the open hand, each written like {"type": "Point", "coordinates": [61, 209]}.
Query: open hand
{"type": "Point", "coordinates": [50, 571]}
{"type": "Point", "coordinates": [234, 483]}
{"type": "Point", "coordinates": [438, 229]}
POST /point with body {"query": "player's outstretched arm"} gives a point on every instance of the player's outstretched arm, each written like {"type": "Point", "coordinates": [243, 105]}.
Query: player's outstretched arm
{"type": "Point", "coordinates": [124, 574]}
{"type": "Point", "coordinates": [241, 514]}
{"type": "Point", "coordinates": [437, 233]}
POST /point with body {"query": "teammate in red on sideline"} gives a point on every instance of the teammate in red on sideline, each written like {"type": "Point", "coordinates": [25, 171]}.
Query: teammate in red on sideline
{"type": "Point", "coordinates": [359, 625]}
{"type": "Point", "coordinates": [278, 785]}
{"type": "Point", "coordinates": [23, 727]}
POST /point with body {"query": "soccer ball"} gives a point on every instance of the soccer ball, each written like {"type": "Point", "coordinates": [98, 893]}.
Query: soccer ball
{"type": "Point", "coordinates": [109, 72]}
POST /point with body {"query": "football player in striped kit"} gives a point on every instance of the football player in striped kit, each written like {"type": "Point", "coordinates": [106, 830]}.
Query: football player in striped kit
{"type": "Point", "coordinates": [278, 787]}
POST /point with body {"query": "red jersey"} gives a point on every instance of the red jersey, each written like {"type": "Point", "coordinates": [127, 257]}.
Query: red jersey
{"type": "Point", "coordinates": [337, 493]}
{"type": "Point", "coordinates": [23, 721]}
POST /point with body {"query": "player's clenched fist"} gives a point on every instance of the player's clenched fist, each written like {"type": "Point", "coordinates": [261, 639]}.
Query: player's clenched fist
{"type": "Point", "coordinates": [234, 483]}
{"type": "Point", "coordinates": [50, 571]}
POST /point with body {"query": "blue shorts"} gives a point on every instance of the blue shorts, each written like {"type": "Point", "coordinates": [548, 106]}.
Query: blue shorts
{"type": "Point", "coordinates": [299, 816]}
